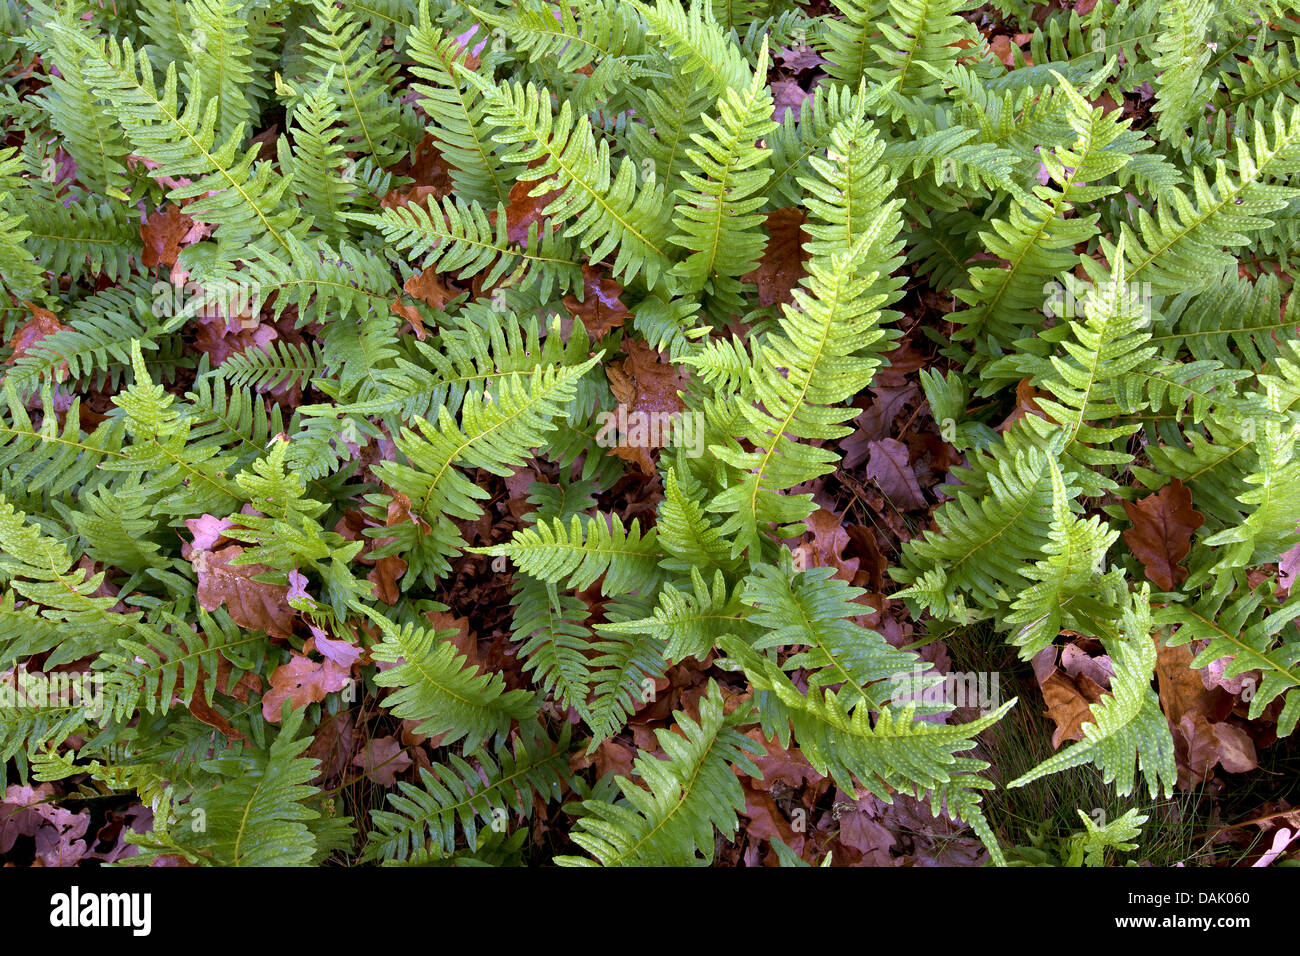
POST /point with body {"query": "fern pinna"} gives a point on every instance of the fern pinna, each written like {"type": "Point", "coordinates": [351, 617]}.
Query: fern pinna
{"type": "Point", "coordinates": [318, 315]}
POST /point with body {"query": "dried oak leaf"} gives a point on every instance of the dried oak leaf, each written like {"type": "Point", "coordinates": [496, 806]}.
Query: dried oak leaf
{"type": "Point", "coordinates": [207, 531]}
{"type": "Point", "coordinates": [251, 604]}
{"type": "Point", "coordinates": [787, 97]}
{"type": "Point", "coordinates": [1067, 705]}
{"type": "Point", "coordinates": [382, 759]}
{"type": "Point", "coordinates": [799, 58]}
{"type": "Point", "coordinates": [601, 310]}
{"type": "Point", "coordinates": [1079, 663]}
{"type": "Point", "coordinates": [341, 652]}
{"type": "Point", "coordinates": [162, 234]}
{"type": "Point", "coordinates": [331, 744]}
{"type": "Point", "coordinates": [417, 195]}
{"type": "Point", "coordinates": [1161, 535]}
{"type": "Point", "coordinates": [646, 387]}
{"type": "Point", "coordinates": [778, 765]}
{"type": "Point", "coordinates": [890, 467]}
{"type": "Point", "coordinates": [430, 168]}
{"type": "Point", "coordinates": [1224, 744]}
{"type": "Point", "coordinates": [782, 264]}
{"type": "Point", "coordinates": [209, 715]}
{"type": "Point", "coordinates": [430, 287]}
{"type": "Point", "coordinates": [1026, 404]}
{"type": "Point", "coordinates": [523, 210]}
{"type": "Point", "coordinates": [767, 822]}
{"type": "Point", "coordinates": [412, 315]}
{"type": "Point", "coordinates": [389, 569]}
{"type": "Point", "coordinates": [826, 550]}
{"type": "Point", "coordinates": [302, 681]}
{"type": "Point", "coordinates": [42, 323]}
{"type": "Point", "coordinates": [875, 422]}
{"type": "Point", "coordinates": [1182, 691]}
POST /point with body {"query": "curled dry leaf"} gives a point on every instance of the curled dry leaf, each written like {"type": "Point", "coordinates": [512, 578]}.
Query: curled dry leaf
{"type": "Point", "coordinates": [829, 539]}
{"type": "Point", "coordinates": [1161, 536]}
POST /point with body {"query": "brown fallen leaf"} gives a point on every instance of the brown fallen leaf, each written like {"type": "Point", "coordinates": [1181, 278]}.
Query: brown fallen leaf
{"type": "Point", "coordinates": [523, 210]}
{"type": "Point", "coordinates": [302, 681]}
{"type": "Point", "coordinates": [780, 766]}
{"type": "Point", "coordinates": [431, 288]}
{"type": "Point", "coordinates": [889, 466]}
{"type": "Point", "coordinates": [1067, 706]}
{"type": "Point", "coordinates": [414, 195]}
{"type": "Point", "coordinates": [787, 97]}
{"type": "Point", "coordinates": [782, 264]}
{"type": "Point", "coordinates": [1161, 536]}
{"type": "Point", "coordinates": [1182, 690]}
{"type": "Point", "coordinates": [1026, 404]}
{"type": "Point", "coordinates": [162, 234]}
{"type": "Point", "coordinates": [251, 604]}
{"type": "Point", "coordinates": [42, 323]}
{"type": "Point", "coordinates": [1210, 744]}
{"type": "Point", "coordinates": [205, 712]}
{"type": "Point", "coordinates": [767, 822]}
{"type": "Point", "coordinates": [430, 168]}
{"type": "Point", "coordinates": [829, 539]}
{"type": "Point", "coordinates": [331, 744]}
{"type": "Point", "coordinates": [876, 422]}
{"type": "Point", "coordinates": [646, 387]}
{"type": "Point", "coordinates": [382, 759]}
{"type": "Point", "coordinates": [1077, 662]}
{"type": "Point", "coordinates": [601, 310]}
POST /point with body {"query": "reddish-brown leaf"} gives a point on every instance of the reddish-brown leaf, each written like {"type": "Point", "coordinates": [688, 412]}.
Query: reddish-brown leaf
{"type": "Point", "coordinates": [251, 604]}
{"type": "Point", "coordinates": [826, 550]}
{"type": "Point", "coordinates": [1161, 536]}
{"type": "Point", "coordinates": [42, 323]}
{"type": "Point", "coordinates": [162, 235]}
{"type": "Point", "coordinates": [302, 681]}
{"type": "Point", "coordinates": [382, 759]}
{"type": "Point", "coordinates": [430, 168]}
{"type": "Point", "coordinates": [1288, 566]}
{"type": "Point", "coordinates": [205, 712]}
{"type": "Point", "coordinates": [781, 266]}
{"type": "Point", "coordinates": [523, 210]}
{"type": "Point", "coordinates": [890, 467]}
{"type": "Point", "coordinates": [1067, 706]}
{"type": "Point", "coordinates": [409, 312]}
{"type": "Point", "coordinates": [601, 310]}
{"type": "Point", "coordinates": [646, 387]}
{"type": "Point", "coordinates": [431, 288]}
